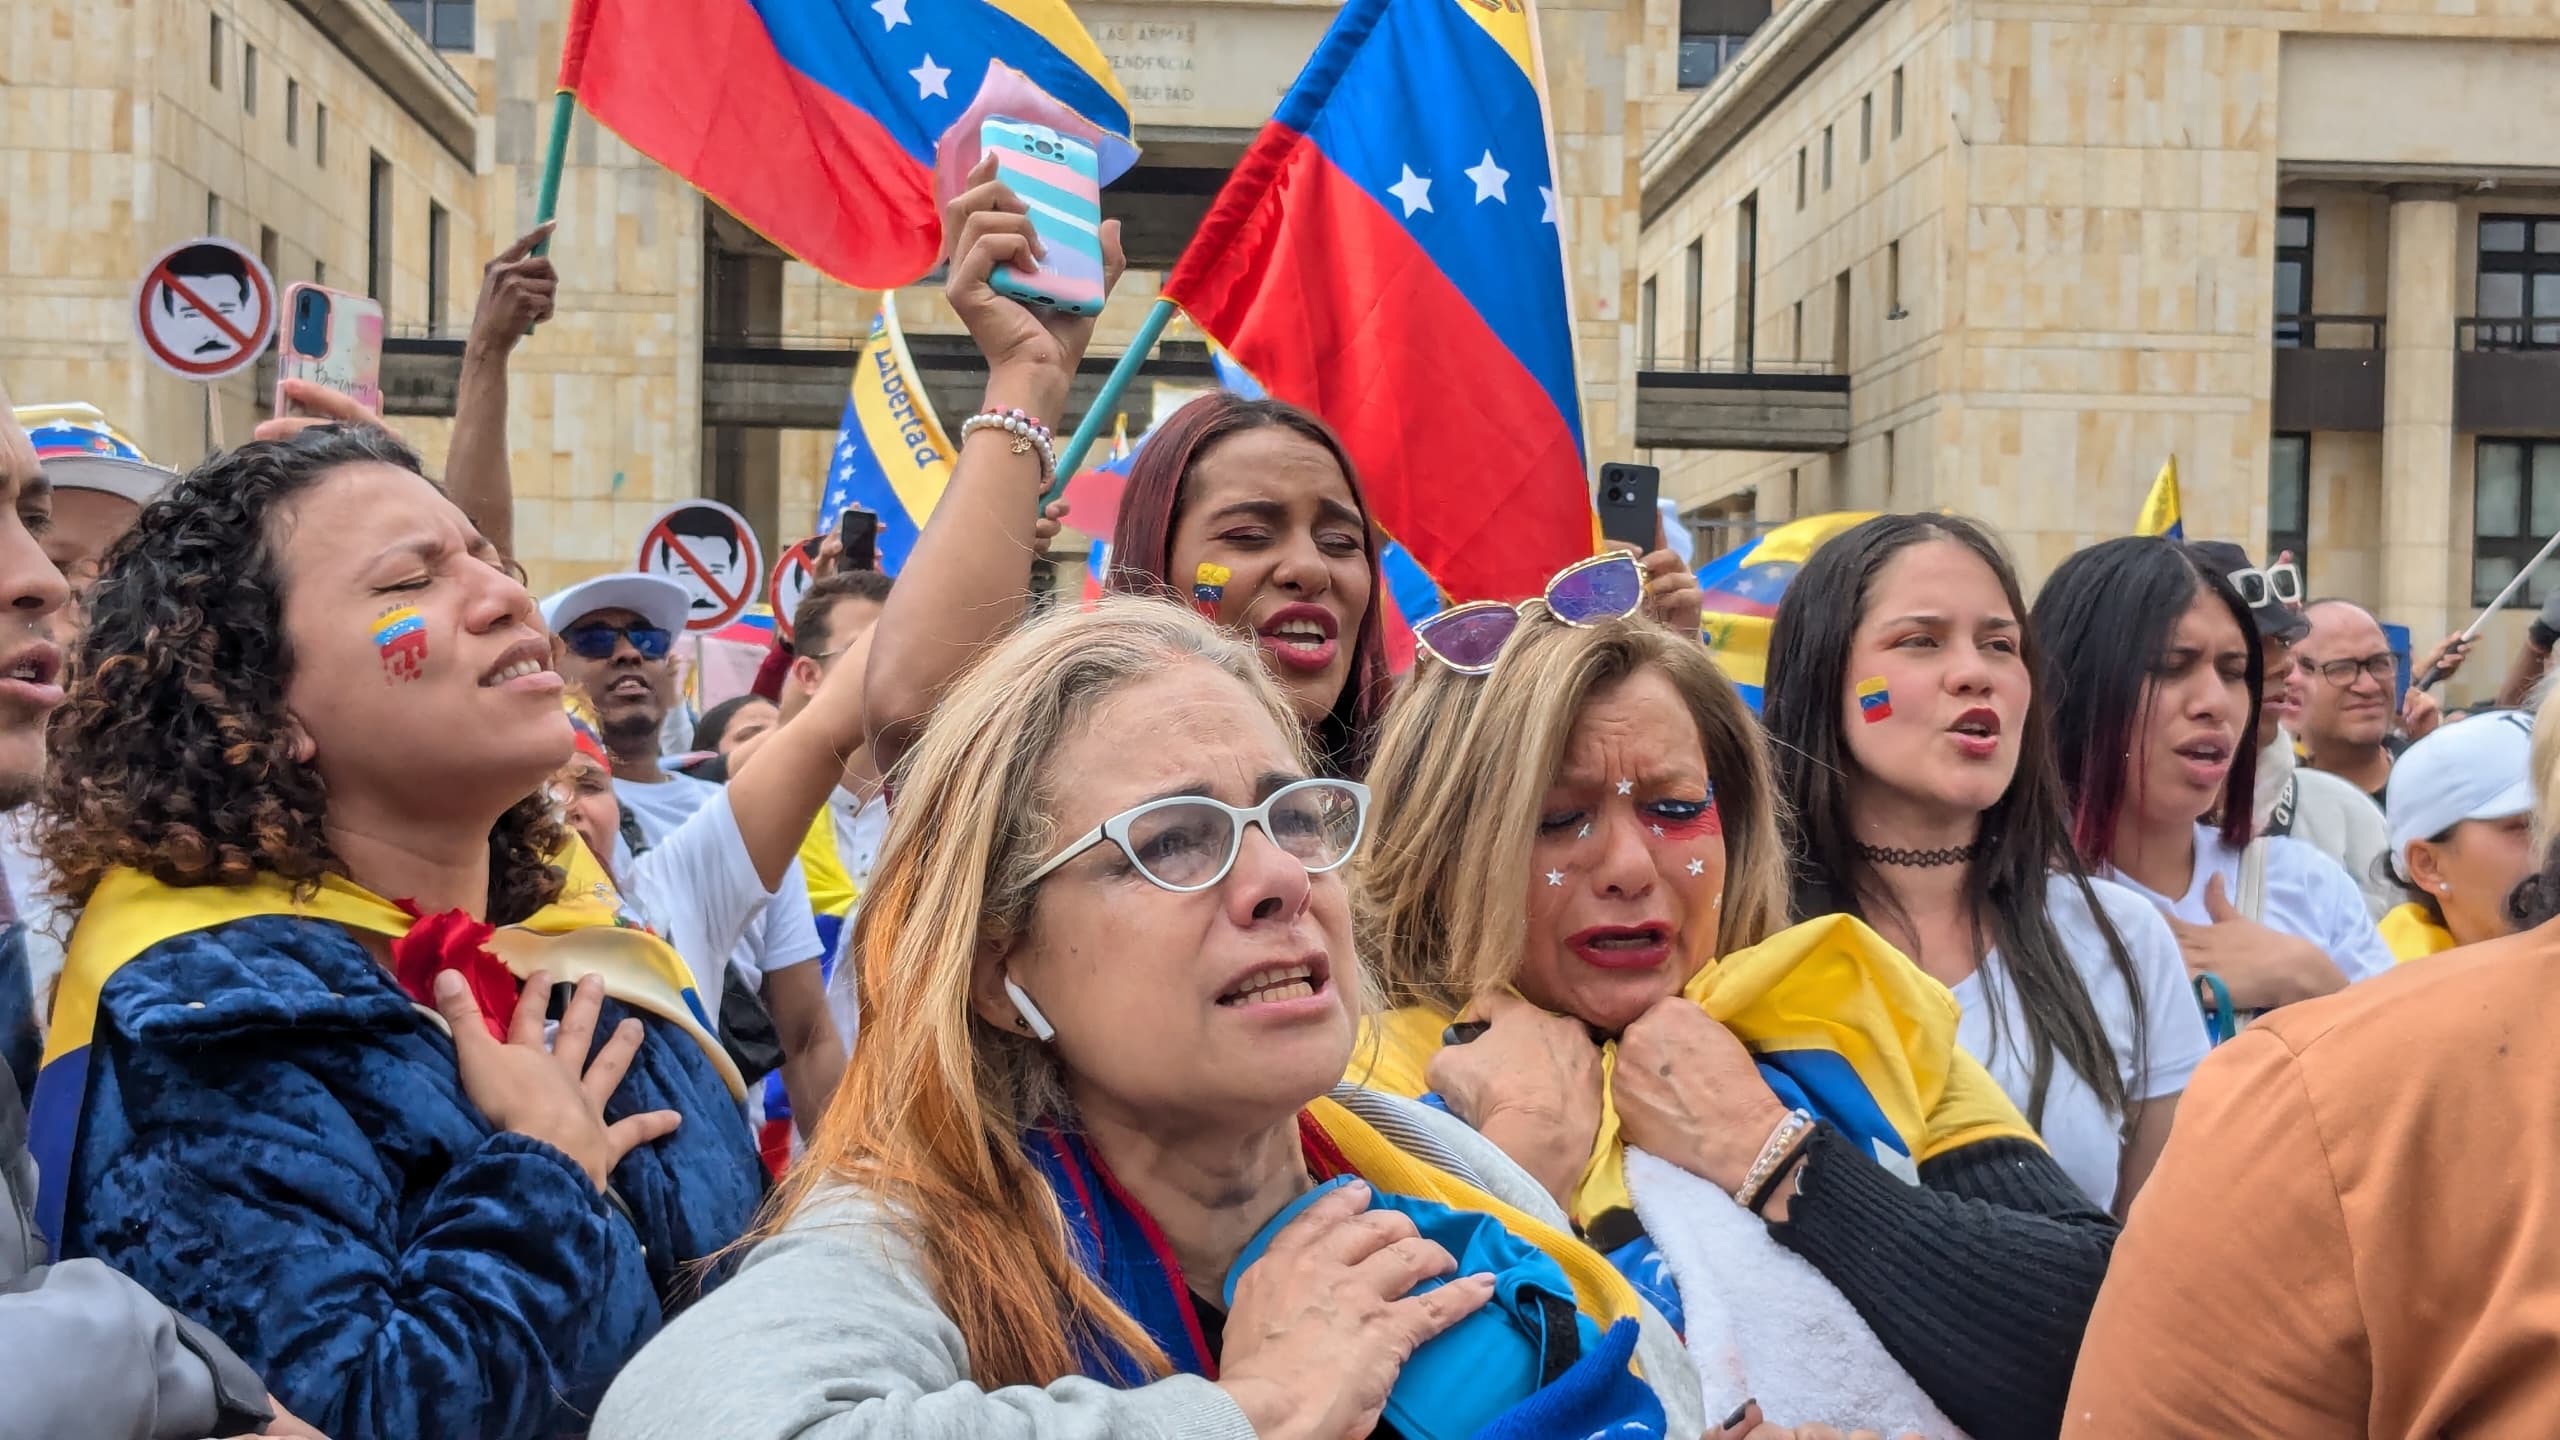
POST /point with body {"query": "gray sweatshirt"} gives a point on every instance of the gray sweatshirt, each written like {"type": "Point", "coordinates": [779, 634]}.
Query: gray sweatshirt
{"type": "Point", "coordinates": [830, 1331]}
{"type": "Point", "coordinates": [85, 1351]}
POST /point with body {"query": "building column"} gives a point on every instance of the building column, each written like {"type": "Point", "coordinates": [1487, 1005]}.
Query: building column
{"type": "Point", "coordinates": [2419, 562]}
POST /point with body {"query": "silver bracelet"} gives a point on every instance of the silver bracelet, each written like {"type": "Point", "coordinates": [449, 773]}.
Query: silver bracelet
{"type": "Point", "coordinates": [1029, 436]}
{"type": "Point", "coordinates": [1773, 1153]}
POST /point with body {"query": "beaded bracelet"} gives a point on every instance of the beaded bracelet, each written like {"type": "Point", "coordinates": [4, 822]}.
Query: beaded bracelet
{"type": "Point", "coordinates": [1028, 433]}
{"type": "Point", "coordinates": [1773, 1153]}
{"type": "Point", "coordinates": [1778, 1172]}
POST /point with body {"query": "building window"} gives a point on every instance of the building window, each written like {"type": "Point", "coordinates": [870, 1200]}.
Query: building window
{"type": "Point", "coordinates": [1800, 174]}
{"type": "Point", "coordinates": [1795, 333]}
{"type": "Point", "coordinates": [212, 213]}
{"type": "Point", "coordinates": [1866, 127]}
{"type": "Point", "coordinates": [1746, 277]}
{"type": "Point", "coordinates": [1712, 32]}
{"type": "Point", "coordinates": [292, 111]}
{"type": "Point", "coordinates": [1646, 299]}
{"type": "Point", "coordinates": [267, 247]}
{"type": "Point", "coordinates": [436, 259]}
{"type": "Point", "coordinates": [319, 272]}
{"type": "Point", "coordinates": [213, 52]}
{"type": "Point", "coordinates": [2289, 501]}
{"type": "Point", "coordinates": [377, 234]}
{"type": "Point", "coordinates": [1826, 158]}
{"type": "Point", "coordinates": [1693, 333]}
{"type": "Point", "coordinates": [445, 24]}
{"type": "Point", "coordinates": [2515, 505]}
{"type": "Point", "coordinates": [2293, 277]}
{"type": "Point", "coordinates": [319, 134]}
{"type": "Point", "coordinates": [1703, 58]}
{"type": "Point", "coordinates": [2519, 285]}
{"type": "Point", "coordinates": [1897, 102]}
{"type": "Point", "coordinates": [249, 79]}
{"type": "Point", "coordinates": [1893, 280]}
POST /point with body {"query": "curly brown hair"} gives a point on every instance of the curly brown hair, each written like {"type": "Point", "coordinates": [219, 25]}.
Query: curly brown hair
{"type": "Point", "coordinates": [174, 753]}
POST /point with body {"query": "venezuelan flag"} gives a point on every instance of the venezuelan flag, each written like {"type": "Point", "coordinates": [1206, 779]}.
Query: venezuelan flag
{"type": "Point", "coordinates": [1387, 254]}
{"type": "Point", "coordinates": [891, 456]}
{"type": "Point", "coordinates": [817, 121]}
{"type": "Point", "coordinates": [1741, 590]}
{"type": "Point", "coordinates": [2160, 507]}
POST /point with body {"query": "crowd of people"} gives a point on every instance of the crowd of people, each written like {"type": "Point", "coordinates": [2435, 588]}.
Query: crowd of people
{"type": "Point", "coordinates": [2111, 1014]}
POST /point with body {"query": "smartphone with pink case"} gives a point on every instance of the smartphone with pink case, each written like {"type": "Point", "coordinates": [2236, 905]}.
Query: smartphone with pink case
{"type": "Point", "coordinates": [330, 338]}
{"type": "Point", "coordinates": [1056, 176]}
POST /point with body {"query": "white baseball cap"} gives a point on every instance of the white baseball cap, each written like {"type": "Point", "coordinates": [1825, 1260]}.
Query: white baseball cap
{"type": "Point", "coordinates": [654, 598]}
{"type": "Point", "coordinates": [2477, 768]}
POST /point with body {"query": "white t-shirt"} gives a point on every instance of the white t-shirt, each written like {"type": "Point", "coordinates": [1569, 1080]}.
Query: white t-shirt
{"type": "Point", "coordinates": [698, 889]}
{"type": "Point", "coordinates": [860, 827]}
{"type": "Point", "coordinates": [786, 935]}
{"type": "Point", "coordinates": [30, 883]}
{"type": "Point", "coordinates": [2307, 895]}
{"type": "Point", "coordinates": [2087, 1140]}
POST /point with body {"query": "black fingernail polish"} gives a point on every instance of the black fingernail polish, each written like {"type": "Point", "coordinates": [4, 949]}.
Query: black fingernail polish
{"type": "Point", "coordinates": [1464, 1031]}
{"type": "Point", "coordinates": [1736, 1417]}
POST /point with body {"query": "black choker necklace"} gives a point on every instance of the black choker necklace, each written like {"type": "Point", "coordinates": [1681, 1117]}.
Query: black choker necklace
{"type": "Point", "coordinates": [1919, 859]}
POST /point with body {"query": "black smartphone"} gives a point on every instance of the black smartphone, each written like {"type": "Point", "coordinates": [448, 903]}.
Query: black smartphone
{"type": "Point", "coordinates": [859, 530]}
{"type": "Point", "coordinates": [1629, 504]}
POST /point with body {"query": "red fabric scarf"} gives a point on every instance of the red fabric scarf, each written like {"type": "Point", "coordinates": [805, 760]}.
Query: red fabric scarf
{"type": "Point", "coordinates": [453, 940]}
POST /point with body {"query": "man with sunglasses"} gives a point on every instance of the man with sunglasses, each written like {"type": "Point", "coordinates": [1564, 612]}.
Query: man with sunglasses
{"type": "Point", "coordinates": [615, 636]}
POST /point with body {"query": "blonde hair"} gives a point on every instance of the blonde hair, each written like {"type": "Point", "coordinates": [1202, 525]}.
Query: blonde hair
{"type": "Point", "coordinates": [934, 1103]}
{"type": "Point", "coordinates": [2545, 768]}
{"type": "Point", "coordinates": [1461, 772]}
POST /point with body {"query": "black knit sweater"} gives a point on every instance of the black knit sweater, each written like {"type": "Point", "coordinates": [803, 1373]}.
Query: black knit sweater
{"type": "Point", "coordinates": [1978, 1280]}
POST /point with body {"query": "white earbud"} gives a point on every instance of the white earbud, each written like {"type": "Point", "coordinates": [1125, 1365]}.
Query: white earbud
{"type": "Point", "coordinates": [1031, 1017]}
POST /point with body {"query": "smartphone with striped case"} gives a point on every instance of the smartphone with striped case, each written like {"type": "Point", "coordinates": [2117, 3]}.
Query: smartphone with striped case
{"type": "Point", "coordinates": [1055, 175]}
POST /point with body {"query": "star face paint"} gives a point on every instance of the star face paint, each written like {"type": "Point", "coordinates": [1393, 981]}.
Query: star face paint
{"type": "Point", "coordinates": [400, 633]}
{"type": "Point", "coordinates": [1208, 587]}
{"type": "Point", "coordinates": [1874, 703]}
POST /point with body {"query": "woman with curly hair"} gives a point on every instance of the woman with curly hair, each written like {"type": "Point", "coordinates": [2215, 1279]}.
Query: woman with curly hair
{"type": "Point", "coordinates": [298, 1086]}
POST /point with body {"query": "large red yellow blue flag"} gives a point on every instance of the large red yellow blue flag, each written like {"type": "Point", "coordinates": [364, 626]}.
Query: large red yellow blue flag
{"type": "Point", "coordinates": [817, 122]}
{"type": "Point", "coordinates": [1387, 254]}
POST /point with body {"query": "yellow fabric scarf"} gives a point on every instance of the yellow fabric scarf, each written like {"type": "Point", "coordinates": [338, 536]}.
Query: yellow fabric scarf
{"type": "Point", "coordinates": [580, 933]}
{"type": "Point", "coordinates": [1599, 1291]}
{"type": "Point", "coordinates": [1831, 986]}
{"type": "Point", "coordinates": [2410, 934]}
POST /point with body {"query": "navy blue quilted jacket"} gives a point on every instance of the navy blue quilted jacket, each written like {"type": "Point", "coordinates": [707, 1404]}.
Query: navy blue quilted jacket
{"type": "Point", "coordinates": [275, 1141]}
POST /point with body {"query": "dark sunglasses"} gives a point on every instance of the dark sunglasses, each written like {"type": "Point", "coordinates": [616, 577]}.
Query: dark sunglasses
{"type": "Point", "coordinates": [595, 641]}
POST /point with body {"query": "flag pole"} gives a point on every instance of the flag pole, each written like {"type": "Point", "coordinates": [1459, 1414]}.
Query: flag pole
{"type": "Point", "coordinates": [1089, 429]}
{"type": "Point", "coordinates": [563, 106]}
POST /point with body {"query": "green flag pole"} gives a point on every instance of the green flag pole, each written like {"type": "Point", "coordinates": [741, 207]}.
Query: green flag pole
{"type": "Point", "coordinates": [1089, 429]}
{"type": "Point", "coordinates": [555, 151]}
{"type": "Point", "coordinates": [563, 106]}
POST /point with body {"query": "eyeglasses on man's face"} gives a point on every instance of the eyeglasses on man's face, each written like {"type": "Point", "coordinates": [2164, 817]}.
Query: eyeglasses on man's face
{"type": "Point", "coordinates": [2382, 669]}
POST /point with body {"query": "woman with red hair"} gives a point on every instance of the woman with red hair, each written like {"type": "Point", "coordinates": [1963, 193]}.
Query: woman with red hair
{"type": "Point", "coordinates": [1247, 510]}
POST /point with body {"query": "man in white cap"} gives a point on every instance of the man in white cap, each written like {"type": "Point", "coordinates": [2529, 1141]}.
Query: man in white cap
{"type": "Point", "coordinates": [615, 637]}
{"type": "Point", "coordinates": [101, 481]}
{"type": "Point", "coordinates": [2460, 804]}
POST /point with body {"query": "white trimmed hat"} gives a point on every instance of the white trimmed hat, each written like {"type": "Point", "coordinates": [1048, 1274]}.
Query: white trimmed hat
{"type": "Point", "coordinates": [80, 450]}
{"type": "Point", "coordinates": [654, 598]}
{"type": "Point", "coordinates": [2477, 768]}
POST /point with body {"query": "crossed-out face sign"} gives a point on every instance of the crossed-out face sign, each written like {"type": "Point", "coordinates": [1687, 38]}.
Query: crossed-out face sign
{"type": "Point", "coordinates": [793, 574]}
{"type": "Point", "coordinates": [711, 551]}
{"type": "Point", "coordinates": [205, 309]}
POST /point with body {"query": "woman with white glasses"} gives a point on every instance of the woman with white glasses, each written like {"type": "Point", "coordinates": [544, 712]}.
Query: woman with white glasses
{"type": "Point", "coordinates": [1085, 1178]}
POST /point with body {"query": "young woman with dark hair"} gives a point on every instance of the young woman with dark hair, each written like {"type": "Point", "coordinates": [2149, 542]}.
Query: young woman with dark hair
{"type": "Point", "coordinates": [298, 1086]}
{"type": "Point", "coordinates": [2155, 673]}
{"type": "Point", "coordinates": [1254, 503]}
{"type": "Point", "coordinates": [1901, 697]}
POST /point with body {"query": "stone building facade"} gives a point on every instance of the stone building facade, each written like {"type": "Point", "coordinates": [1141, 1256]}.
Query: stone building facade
{"type": "Point", "coordinates": [2049, 245]}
